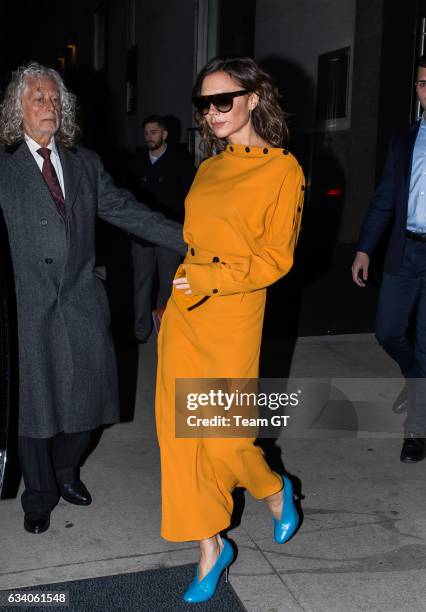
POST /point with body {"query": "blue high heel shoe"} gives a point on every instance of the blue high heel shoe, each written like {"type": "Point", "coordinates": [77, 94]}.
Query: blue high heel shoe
{"type": "Point", "coordinates": [202, 590]}
{"type": "Point", "coordinates": [284, 529]}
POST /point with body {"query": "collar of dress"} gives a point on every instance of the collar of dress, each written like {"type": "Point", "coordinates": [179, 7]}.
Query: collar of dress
{"type": "Point", "coordinates": [250, 151]}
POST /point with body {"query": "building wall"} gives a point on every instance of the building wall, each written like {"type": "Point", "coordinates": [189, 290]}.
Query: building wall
{"type": "Point", "coordinates": [165, 42]}
{"type": "Point", "coordinates": [166, 59]}
{"type": "Point", "coordinates": [363, 168]}
{"type": "Point", "coordinates": [121, 127]}
{"type": "Point", "coordinates": [289, 36]}
{"type": "Point", "coordinates": [298, 31]}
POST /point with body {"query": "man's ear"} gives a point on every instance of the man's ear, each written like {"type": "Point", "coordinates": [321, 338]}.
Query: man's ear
{"type": "Point", "coordinates": [165, 135]}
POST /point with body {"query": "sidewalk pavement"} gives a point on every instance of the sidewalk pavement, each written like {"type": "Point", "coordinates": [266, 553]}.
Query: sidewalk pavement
{"type": "Point", "coordinates": [362, 542]}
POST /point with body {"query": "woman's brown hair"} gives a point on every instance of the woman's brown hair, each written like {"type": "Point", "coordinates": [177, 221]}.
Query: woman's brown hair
{"type": "Point", "coordinates": [268, 117]}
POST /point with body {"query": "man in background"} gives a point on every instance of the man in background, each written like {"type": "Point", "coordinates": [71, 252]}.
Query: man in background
{"type": "Point", "coordinates": [401, 197]}
{"type": "Point", "coordinates": [161, 175]}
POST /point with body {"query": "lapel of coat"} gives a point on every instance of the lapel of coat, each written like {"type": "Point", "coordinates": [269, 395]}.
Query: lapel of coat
{"type": "Point", "coordinates": [71, 169]}
{"type": "Point", "coordinates": [162, 161]}
{"type": "Point", "coordinates": [24, 164]}
{"type": "Point", "coordinates": [410, 142]}
{"type": "Point", "coordinates": [145, 162]}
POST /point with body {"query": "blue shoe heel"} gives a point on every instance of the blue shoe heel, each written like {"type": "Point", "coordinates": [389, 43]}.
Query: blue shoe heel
{"type": "Point", "coordinates": [202, 590]}
{"type": "Point", "coordinates": [284, 529]}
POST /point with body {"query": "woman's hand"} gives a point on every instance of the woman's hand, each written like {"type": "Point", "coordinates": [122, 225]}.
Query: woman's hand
{"type": "Point", "coordinates": [183, 285]}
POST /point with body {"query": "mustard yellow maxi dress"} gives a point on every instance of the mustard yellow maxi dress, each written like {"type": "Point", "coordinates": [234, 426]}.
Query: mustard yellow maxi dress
{"type": "Point", "coordinates": [242, 219]}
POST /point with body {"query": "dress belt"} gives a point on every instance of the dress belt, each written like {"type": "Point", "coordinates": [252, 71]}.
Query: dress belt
{"type": "Point", "coordinates": [204, 299]}
{"type": "Point", "coordinates": [416, 236]}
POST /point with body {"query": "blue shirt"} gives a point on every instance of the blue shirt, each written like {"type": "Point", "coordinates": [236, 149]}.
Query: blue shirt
{"type": "Point", "coordinates": [416, 217]}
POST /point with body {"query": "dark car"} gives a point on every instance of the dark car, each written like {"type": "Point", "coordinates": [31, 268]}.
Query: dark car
{"type": "Point", "coordinates": [8, 369]}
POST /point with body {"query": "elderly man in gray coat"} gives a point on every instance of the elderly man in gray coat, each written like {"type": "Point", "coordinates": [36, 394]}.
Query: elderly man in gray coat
{"type": "Point", "coordinates": [51, 192]}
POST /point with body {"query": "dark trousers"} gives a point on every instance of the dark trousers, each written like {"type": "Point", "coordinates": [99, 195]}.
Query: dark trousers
{"type": "Point", "coordinates": [399, 297]}
{"type": "Point", "coordinates": [147, 261]}
{"type": "Point", "coordinates": [47, 463]}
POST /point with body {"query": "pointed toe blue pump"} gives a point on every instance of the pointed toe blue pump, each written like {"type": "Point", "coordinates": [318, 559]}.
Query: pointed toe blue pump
{"type": "Point", "coordinates": [285, 528]}
{"type": "Point", "coordinates": [202, 590]}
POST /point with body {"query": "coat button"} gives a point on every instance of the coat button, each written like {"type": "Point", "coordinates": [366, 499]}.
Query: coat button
{"type": "Point", "coordinates": [303, 187]}
{"type": "Point", "coordinates": [247, 149]}
{"type": "Point", "coordinates": [43, 221]}
{"type": "Point", "coordinates": [215, 291]}
{"type": "Point", "coordinates": [231, 148]}
{"type": "Point", "coordinates": [285, 152]}
{"type": "Point", "coordinates": [299, 208]}
{"type": "Point", "coordinates": [192, 251]}
{"type": "Point", "coordinates": [48, 260]}
{"type": "Point", "coordinates": [216, 259]}
{"type": "Point", "coordinates": [265, 151]}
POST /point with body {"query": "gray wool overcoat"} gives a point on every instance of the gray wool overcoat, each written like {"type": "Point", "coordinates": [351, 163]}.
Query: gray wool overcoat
{"type": "Point", "coordinates": [67, 366]}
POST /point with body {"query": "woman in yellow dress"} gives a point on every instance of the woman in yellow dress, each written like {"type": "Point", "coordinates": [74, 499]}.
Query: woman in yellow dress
{"type": "Point", "coordinates": [242, 219]}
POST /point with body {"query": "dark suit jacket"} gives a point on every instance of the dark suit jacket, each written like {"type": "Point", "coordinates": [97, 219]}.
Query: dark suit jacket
{"type": "Point", "coordinates": [391, 201]}
{"type": "Point", "coordinates": [163, 186]}
{"type": "Point", "coordinates": [67, 366]}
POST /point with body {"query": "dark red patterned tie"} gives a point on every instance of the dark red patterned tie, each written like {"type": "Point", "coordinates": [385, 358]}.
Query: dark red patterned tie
{"type": "Point", "coordinates": [51, 178]}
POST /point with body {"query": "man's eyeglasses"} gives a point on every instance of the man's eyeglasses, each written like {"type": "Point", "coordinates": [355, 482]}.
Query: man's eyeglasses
{"type": "Point", "coordinates": [421, 84]}
{"type": "Point", "coordinates": [222, 102]}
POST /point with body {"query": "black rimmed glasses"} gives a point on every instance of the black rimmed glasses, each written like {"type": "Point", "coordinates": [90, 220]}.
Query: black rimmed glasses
{"type": "Point", "coordinates": [222, 102]}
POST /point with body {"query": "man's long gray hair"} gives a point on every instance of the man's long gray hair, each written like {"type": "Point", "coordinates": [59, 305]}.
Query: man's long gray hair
{"type": "Point", "coordinates": [11, 118]}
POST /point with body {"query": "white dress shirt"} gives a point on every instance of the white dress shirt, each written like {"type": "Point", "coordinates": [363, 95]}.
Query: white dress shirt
{"type": "Point", "coordinates": [54, 158]}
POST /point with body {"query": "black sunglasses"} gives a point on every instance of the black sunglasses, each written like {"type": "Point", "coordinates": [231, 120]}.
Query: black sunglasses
{"type": "Point", "coordinates": [222, 102]}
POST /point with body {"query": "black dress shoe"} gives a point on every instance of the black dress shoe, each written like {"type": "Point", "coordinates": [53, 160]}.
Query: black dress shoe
{"type": "Point", "coordinates": [76, 493]}
{"type": "Point", "coordinates": [36, 524]}
{"type": "Point", "coordinates": [413, 449]}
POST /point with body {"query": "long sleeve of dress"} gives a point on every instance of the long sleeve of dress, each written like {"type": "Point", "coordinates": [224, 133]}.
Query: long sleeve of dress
{"type": "Point", "coordinates": [271, 259]}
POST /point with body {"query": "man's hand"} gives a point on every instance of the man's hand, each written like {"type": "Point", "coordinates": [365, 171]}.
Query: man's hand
{"type": "Point", "coordinates": [360, 264]}
{"type": "Point", "coordinates": [183, 285]}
